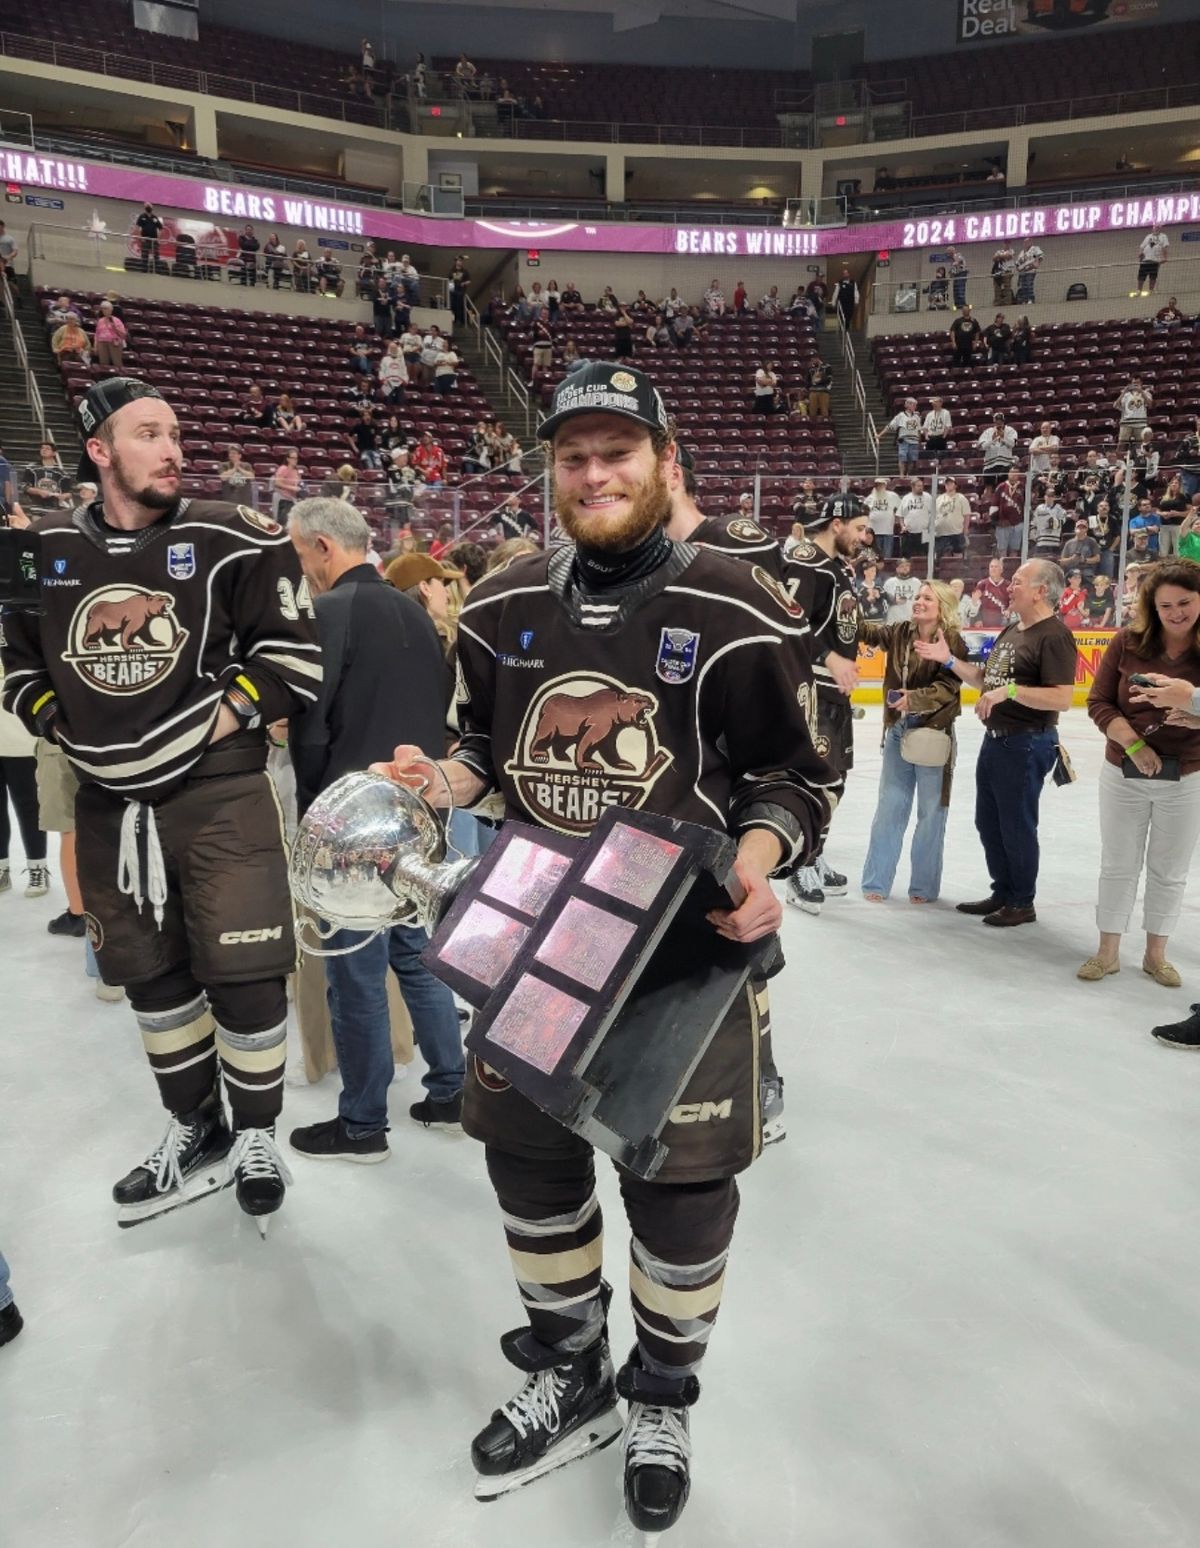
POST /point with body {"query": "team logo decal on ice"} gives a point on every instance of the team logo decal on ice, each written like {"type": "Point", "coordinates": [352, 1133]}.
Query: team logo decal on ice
{"type": "Point", "coordinates": [778, 592]}
{"type": "Point", "coordinates": [676, 655]}
{"type": "Point", "coordinates": [124, 639]}
{"type": "Point", "coordinates": [258, 521]}
{"type": "Point", "coordinates": [745, 530]}
{"type": "Point", "coordinates": [181, 561]}
{"type": "Point", "coordinates": [587, 742]}
{"type": "Point", "coordinates": [847, 618]}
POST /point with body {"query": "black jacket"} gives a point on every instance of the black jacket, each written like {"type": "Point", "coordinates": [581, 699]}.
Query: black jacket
{"type": "Point", "coordinates": [384, 683]}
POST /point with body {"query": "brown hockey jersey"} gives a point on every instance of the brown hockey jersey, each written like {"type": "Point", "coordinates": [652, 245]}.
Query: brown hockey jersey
{"type": "Point", "coordinates": [742, 538]}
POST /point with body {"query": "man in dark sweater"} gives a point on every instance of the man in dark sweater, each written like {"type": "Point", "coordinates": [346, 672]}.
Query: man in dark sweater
{"type": "Point", "coordinates": [385, 684]}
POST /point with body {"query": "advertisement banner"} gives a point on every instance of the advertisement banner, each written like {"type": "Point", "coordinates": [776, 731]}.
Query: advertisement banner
{"type": "Point", "coordinates": [985, 21]}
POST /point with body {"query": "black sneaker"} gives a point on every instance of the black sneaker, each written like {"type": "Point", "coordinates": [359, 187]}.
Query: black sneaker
{"type": "Point", "coordinates": [329, 1142]}
{"type": "Point", "coordinates": [68, 923]}
{"type": "Point", "coordinates": [1181, 1034]}
{"type": "Point", "coordinates": [11, 1323]}
{"type": "Point", "coordinates": [446, 1116]}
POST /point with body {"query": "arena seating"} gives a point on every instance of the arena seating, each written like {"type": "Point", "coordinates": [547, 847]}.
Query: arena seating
{"type": "Point", "coordinates": [205, 358]}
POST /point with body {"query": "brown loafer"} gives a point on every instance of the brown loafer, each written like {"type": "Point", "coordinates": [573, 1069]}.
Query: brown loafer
{"type": "Point", "coordinates": [984, 906]}
{"type": "Point", "coordinates": [1006, 916]}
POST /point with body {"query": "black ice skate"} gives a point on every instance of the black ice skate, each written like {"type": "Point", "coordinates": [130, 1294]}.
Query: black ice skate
{"type": "Point", "coordinates": [803, 889]}
{"type": "Point", "coordinates": [657, 1446]}
{"type": "Point", "coordinates": [190, 1162]}
{"type": "Point", "coordinates": [566, 1409]}
{"type": "Point", "coordinates": [774, 1124]}
{"type": "Point", "coordinates": [833, 883]}
{"type": "Point", "coordinates": [260, 1172]}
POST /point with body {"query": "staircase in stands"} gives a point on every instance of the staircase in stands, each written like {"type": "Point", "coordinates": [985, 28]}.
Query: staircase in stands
{"type": "Point", "coordinates": [19, 434]}
{"type": "Point", "coordinates": [858, 461]}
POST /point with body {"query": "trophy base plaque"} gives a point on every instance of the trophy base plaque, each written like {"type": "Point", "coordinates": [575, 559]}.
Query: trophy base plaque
{"type": "Point", "coordinates": [597, 980]}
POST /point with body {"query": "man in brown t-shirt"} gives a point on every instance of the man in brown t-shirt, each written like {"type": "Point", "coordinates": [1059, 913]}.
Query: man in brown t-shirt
{"type": "Point", "coordinates": [1027, 680]}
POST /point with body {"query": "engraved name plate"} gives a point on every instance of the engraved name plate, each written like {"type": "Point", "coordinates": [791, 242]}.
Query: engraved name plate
{"type": "Point", "coordinates": [537, 1023]}
{"type": "Point", "coordinates": [632, 866]}
{"type": "Point", "coordinates": [526, 875]}
{"type": "Point", "coordinates": [483, 944]}
{"type": "Point", "coordinates": [585, 943]}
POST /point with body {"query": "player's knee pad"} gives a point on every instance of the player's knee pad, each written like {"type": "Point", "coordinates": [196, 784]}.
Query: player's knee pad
{"type": "Point", "coordinates": [174, 990]}
{"type": "Point", "coordinates": [254, 1009]}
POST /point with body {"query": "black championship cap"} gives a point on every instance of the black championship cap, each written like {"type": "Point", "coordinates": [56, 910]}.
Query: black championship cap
{"type": "Point", "coordinates": [99, 403]}
{"type": "Point", "coordinates": [602, 388]}
{"type": "Point", "coordinates": [842, 507]}
{"type": "Point", "coordinates": [684, 457]}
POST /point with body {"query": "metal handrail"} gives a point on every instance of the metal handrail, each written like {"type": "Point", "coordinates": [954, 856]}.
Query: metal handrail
{"type": "Point", "coordinates": [32, 390]}
{"type": "Point", "coordinates": [1103, 281]}
{"type": "Point", "coordinates": [873, 440]}
{"type": "Point", "coordinates": [517, 389]}
{"type": "Point", "coordinates": [638, 212]}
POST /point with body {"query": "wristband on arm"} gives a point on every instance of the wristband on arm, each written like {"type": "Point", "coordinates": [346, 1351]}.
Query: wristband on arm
{"type": "Point", "coordinates": [1135, 747]}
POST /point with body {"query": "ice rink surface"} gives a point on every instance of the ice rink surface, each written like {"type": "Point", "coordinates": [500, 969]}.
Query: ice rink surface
{"type": "Point", "coordinates": [960, 1311]}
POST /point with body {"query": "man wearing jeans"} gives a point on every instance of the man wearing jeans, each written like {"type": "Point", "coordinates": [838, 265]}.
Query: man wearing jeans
{"type": "Point", "coordinates": [10, 1318]}
{"type": "Point", "coordinates": [1027, 681]}
{"type": "Point", "coordinates": [386, 684]}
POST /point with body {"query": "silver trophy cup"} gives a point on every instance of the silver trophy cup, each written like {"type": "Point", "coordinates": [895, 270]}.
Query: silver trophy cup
{"type": "Point", "coordinates": [369, 854]}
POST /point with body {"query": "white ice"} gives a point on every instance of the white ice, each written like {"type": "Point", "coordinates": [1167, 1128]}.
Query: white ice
{"type": "Point", "coordinates": [961, 1309]}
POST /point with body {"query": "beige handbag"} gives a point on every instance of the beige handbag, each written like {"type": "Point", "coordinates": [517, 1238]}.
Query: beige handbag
{"type": "Point", "coordinates": [923, 746]}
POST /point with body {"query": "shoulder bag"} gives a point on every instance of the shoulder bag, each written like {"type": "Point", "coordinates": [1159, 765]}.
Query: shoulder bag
{"type": "Point", "coordinates": [924, 746]}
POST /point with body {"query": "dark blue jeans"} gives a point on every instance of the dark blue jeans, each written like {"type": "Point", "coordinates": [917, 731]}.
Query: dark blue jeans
{"type": "Point", "coordinates": [1008, 786]}
{"type": "Point", "coordinates": [362, 1034]}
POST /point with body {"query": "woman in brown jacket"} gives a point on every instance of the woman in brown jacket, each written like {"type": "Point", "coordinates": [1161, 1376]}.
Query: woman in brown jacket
{"type": "Point", "coordinates": [919, 696]}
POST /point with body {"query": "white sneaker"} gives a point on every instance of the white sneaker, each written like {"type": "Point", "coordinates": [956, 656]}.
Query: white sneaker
{"type": "Point", "coordinates": [39, 880]}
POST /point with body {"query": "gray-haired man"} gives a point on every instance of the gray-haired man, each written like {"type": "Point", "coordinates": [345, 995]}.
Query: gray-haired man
{"type": "Point", "coordinates": [384, 683]}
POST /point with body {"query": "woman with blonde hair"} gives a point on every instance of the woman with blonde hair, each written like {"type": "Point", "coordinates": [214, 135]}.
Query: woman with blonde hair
{"type": "Point", "coordinates": [921, 704]}
{"type": "Point", "coordinates": [1149, 785]}
{"type": "Point", "coordinates": [512, 548]}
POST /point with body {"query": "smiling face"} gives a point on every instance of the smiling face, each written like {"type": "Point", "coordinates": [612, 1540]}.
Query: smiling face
{"type": "Point", "coordinates": [925, 606]}
{"type": "Point", "coordinates": [139, 454]}
{"type": "Point", "coordinates": [611, 489]}
{"type": "Point", "coordinates": [1178, 610]}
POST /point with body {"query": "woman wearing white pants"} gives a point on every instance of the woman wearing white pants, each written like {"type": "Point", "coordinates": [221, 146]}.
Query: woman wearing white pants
{"type": "Point", "coordinates": [1149, 789]}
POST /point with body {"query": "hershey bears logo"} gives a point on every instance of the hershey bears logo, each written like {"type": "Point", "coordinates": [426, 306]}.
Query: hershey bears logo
{"type": "Point", "coordinates": [587, 742]}
{"type": "Point", "coordinates": [124, 639]}
{"type": "Point", "coordinates": [745, 530]}
{"type": "Point", "coordinates": [804, 551]}
{"type": "Point", "coordinates": [258, 521]}
{"type": "Point", "coordinates": [778, 591]}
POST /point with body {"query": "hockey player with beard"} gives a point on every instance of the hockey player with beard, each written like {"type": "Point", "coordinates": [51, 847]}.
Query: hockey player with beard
{"type": "Point", "coordinates": [667, 676]}
{"type": "Point", "coordinates": [171, 633]}
{"type": "Point", "coordinates": [739, 536]}
{"type": "Point", "coordinates": [824, 566]}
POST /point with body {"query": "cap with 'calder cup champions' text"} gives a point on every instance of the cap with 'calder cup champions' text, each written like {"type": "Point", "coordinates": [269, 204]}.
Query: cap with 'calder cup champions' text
{"type": "Point", "coordinates": [840, 507]}
{"type": "Point", "coordinates": [604, 388]}
{"type": "Point", "coordinates": [99, 403]}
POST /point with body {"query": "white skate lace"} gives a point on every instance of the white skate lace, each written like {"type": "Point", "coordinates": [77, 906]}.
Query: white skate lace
{"type": "Point", "coordinates": [129, 869]}
{"type": "Point", "coordinates": [536, 1405]}
{"type": "Point", "coordinates": [255, 1156]}
{"type": "Point", "coordinates": [657, 1437]}
{"type": "Point", "coordinates": [163, 1160]}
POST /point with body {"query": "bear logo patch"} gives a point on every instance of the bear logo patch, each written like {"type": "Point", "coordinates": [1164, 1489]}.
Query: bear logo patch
{"type": "Point", "coordinates": [746, 531]}
{"type": "Point", "coordinates": [124, 639]}
{"type": "Point", "coordinates": [258, 521]}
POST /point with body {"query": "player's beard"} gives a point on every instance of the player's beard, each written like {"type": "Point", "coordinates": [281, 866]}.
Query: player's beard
{"type": "Point", "coordinates": [650, 507]}
{"type": "Point", "coordinates": [848, 544]}
{"type": "Point", "coordinates": [148, 498]}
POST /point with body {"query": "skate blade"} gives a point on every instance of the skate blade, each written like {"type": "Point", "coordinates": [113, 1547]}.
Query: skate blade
{"type": "Point", "coordinates": [835, 892]}
{"type": "Point", "coordinates": [593, 1436]}
{"type": "Point", "coordinates": [211, 1180]}
{"type": "Point", "coordinates": [774, 1132]}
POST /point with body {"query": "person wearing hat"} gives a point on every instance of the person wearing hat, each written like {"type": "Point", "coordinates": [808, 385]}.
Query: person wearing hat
{"type": "Point", "coordinates": [621, 667]}
{"type": "Point", "coordinates": [172, 632]}
{"type": "Point", "coordinates": [373, 637]}
{"type": "Point", "coordinates": [998, 444]}
{"type": "Point", "coordinates": [740, 535]}
{"type": "Point", "coordinates": [824, 566]}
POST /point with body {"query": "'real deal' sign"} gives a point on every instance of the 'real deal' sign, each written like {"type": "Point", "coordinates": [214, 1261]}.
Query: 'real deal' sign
{"type": "Point", "coordinates": [986, 21]}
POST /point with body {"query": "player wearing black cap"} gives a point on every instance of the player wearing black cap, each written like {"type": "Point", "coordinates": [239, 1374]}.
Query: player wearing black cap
{"type": "Point", "coordinates": [824, 563]}
{"type": "Point", "coordinates": [172, 632]}
{"type": "Point", "coordinates": [736, 535]}
{"type": "Point", "coordinates": [624, 667]}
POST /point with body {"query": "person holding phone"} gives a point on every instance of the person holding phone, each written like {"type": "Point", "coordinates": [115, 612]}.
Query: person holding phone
{"type": "Point", "coordinates": [1149, 793]}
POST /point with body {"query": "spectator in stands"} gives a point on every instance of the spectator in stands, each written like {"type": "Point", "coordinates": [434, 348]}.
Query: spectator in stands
{"type": "Point", "coordinates": [302, 268]}
{"type": "Point", "coordinates": [477, 458]}
{"type": "Point", "coordinates": [111, 338]}
{"type": "Point", "coordinates": [506, 450]}
{"type": "Point", "coordinates": [1072, 605]}
{"type": "Point", "coordinates": [1107, 531]}
{"type": "Point", "coordinates": [953, 514]}
{"type": "Point", "coordinates": [993, 596]}
{"type": "Point", "coordinates": [916, 519]}
{"type": "Point", "coordinates": [430, 461]}
{"type": "Point", "coordinates": [714, 299]}
{"type": "Point", "coordinates": [906, 427]}
{"type": "Point", "coordinates": [572, 301]}
{"type": "Point", "coordinates": [884, 181]}
{"type": "Point", "coordinates": [1082, 551]}
{"type": "Point", "coordinates": [248, 249]}
{"type": "Point", "coordinates": [360, 358]}
{"type": "Point", "coordinates": [1045, 528]}
{"type": "Point", "coordinates": [938, 291]}
{"type": "Point", "coordinates": [872, 599]}
{"type": "Point", "coordinates": [1145, 519]}
{"type": "Point", "coordinates": [1152, 254]}
{"type": "Point", "coordinates": [432, 347]}
{"type": "Point", "coordinates": [608, 302]}
{"type": "Point", "coordinates": [965, 334]}
{"type": "Point", "coordinates": [512, 548]}
{"type": "Point", "coordinates": [766, 389]}
{"type": "Point", "coordinates": [658, 335]}
{"type": "Point", "coordinates": [1040, 448]}
{"type": "Point", "coordinates": [287, 418]}
{"type": "Point", "coordinates": [1187, 455]}
{"type": "Point", "coordinates": [255, 410]}
{"type": "Point", "coordinates": [1008, 512]}
{"type": "Point", "coordinates": [411, 345]}
{"type": "Point", "coordinates": [901, 590]}
{"type": "Point", "coordinates": [770, 305]}
{"type": "Point", "coordinates": [457, 290]}
{"type": "Point", "coordinates": [817, 292]}
{"type": "Point", "coordinates": [71, 343]}
{"type": "Point", "coordinates": [1141, 467]}
{"type": "Point", "coordinates": [741, 299]}
{"type": "Point", "coordinates": [58, 313]}
{"type": "Point", "coordinates": [445, 369]}
{"type": "Point", "coordinates": [683, 328]}
{"type": "Point", "coordinates": [1004, 265]}
{"type": "Point", "coordinates": [511, 520]}
{"type": "Point", "coordinates": [622, 335]}
{"type": "Point", "coordinates": [882, 509]}
{"type": "Point", "coordinates": [274, 260]}
{"type": "Point", "coordinates": [807, 505]}
{"type": "Point", "coordinates": [935, 430]}
{"type": "Point", "coordinates": [538, 306]}
{"type": "Point", "coordinates": [1134, 402]}
{"type": "Point", "coordinates": [237, 479]}
{"type": "Point", "coordinates": [1138, 552]}
{"type": "Point", "coordinates": [393, 374]}
{"type": "Point", "coordinates": [149, 228]}
{"type": "Point", "coordinates": [968, 606]}
{"type": "Point", "coordinates": [330, 280]}
{"type": "Point", "coordinates": [998, 338]}
{"type": "Point", "coordinates": [820, 384]}
{"type": "Point", "coordinates": [364, 439]}
{"type": "Point", "coordinates": [1028, 261]}
{"type": "Point", "coordinates": [1099, 606]}
{"type": "Point", "coordinates": [1168, 317]}
{"type": "Point", "coordinates": [998, 445]}
{"type": "Point", "coordinates": [45, 484]}
{"type": "Point", "coordinates": [465, 73]}
{"type": "Point", "coordinates": [8, 260]}
{"type": "Point", "coordinates": [403, 482]}
{"type": "Point", "coordinates": [287, 483]}
{"type": "Point", "coordinates": [845, 297]}
{"type": "Point", "coordinates": [1173, 505]}
{"type": "Point", "coordinates": [1022, 342]}
{"type": "Point", "coordinates": [392, 434]}
{"type": "Point", "coordinates": [471, 562]}
{"type": "Point", "coordinates": [1151, 823]}
{"type": "Point", "coordinates": [959, 272]}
